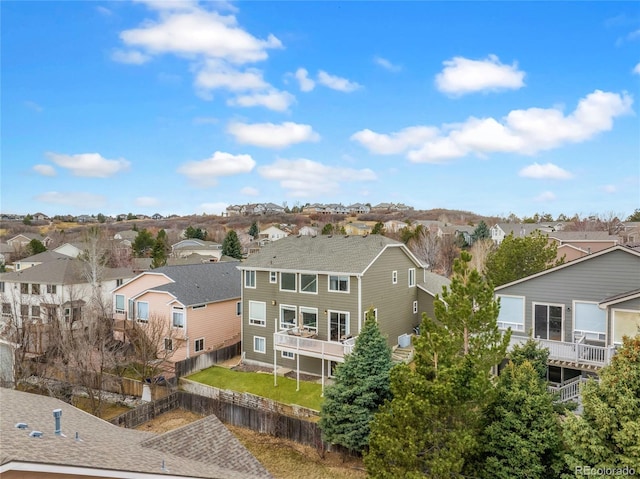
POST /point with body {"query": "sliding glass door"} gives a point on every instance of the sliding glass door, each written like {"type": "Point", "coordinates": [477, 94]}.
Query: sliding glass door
{"type": "Point", "coordinates": [548, 322]}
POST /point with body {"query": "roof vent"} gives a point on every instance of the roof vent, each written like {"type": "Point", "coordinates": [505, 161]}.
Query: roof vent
{"type": "Point", "coordinates": [22, 425]}
{"type": "Point", "coordinates": [35, 434]}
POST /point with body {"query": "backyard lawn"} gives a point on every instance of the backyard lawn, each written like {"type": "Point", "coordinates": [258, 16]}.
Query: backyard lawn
{"type": "Point", "coordinates": [261, 384]}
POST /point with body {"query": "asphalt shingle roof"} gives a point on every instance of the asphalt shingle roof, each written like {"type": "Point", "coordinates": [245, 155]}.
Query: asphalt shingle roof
{"type": "Point", "coordinates": [102, 445]}
{"type": "Point", "coordinates": [202, 283]}
{"type": "Point", "coordinates": [324, 253]}
{"type": "Point", "coordinates": [63, 270]}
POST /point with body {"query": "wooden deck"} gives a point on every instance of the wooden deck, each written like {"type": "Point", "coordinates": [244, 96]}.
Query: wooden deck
{"type": "Point", "coordinates": [311, 347]}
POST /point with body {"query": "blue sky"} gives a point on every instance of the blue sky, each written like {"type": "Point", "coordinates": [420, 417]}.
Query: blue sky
{"type": "Point", "coordinates": [184, 107]}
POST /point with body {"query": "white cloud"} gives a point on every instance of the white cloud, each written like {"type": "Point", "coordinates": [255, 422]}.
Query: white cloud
{"type": "Point", "coordinates": [525, 132]}
{"type": "Point", "coordinates": [273, 100]}
{"type": "Point", "coordinates": [213, 208]}
{"type": "Point", "coordinates": [146, 201]}
{"type": "Point", "coordinates": [545, 196]}
{"type": "Point", "coordinates": [396, 142]}
{"type": "Point", "coordinates": [198, 32]}
{"type": "Point", "coordinates": [636, 69]}
{"type": "Point", "coordinates": [32, 105]}
{"type": "Point", "coordinates": [103, 10]}
{"type": "Point", "coordinates": [386, 64]}
{"type": "Point", "coordinates": [206, 172]}
{"type": "Point", "coordinates": [270, 135]}
{"type": "Point", "coordinates": [86, 200]}
{"type": "Point", "coordinates": [89, 164]}
{"type": "Point", "coordinates": [542, 172]}
{"type": "Point", "coordinates": [336, 83]}
{"type": "Point", "coordinates": [249, 191]}
{"type": "Point", "coordinates": [214, 74]}
{"type": "Point", "coordinates": [462, 75]}
{"type": "Point", "coordinates": [307, 178]}
{"type": "Point", "coordinates": [609, 188]}
{"type": "Point", "coordinates": [132, 57]}
{"type": "Point", "coordinates": [306, 83]}
{"type": "Point", "coordinates": [45, 170]}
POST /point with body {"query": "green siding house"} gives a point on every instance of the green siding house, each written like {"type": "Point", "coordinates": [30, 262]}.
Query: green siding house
{"type": "Point", "coordinates": [304, 298]}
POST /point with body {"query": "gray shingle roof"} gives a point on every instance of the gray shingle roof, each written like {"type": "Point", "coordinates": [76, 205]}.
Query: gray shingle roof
{"type": "Point", "coordinates": [583, 236]}
{"type": "Point", "coordinates": [433, 283]}
{"type": "Point", "coordinates": [43, 257]}
{"type": "Point", "coordinates": [202, 283]}
{"type": "Point", "coordinates": [324, 253]}
{"type": "Point", "coordinates": [63, 270]}
{"type": "Point", "coordinates": [103, 446]}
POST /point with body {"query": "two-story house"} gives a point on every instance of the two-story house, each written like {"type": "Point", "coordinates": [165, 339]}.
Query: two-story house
{"type": "Point", "coordinates": [579, 310]}
{"type": "Point", "coordinates": [195, 307]}
{"type": "Point", "coordinates": [304, 298]}
{"type": "Point", "coordinates": [55, 290]}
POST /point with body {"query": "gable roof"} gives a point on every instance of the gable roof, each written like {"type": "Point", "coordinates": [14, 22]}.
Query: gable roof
{"type": "Point", "coordinates": [433, 283]}
{"type": "Point", "coordinates": [589, 236]}
{"type": "Point", "coordinates": [324, 253]}
{"type": "Point", "coordinates": [195, 284]}
{"type": "Point", "coordinates": [572, 263]}
{"type": "Point", "coordinates": [45, 256]}
{"type": "Point", "coordinates": [62, 270]}
{"type": "Point", "coordinates": [620, 298]}
{"type": "Point", "coordinates": [104, 448]}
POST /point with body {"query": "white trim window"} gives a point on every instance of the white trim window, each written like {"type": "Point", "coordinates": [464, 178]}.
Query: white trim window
{"type": "Point", "coordinates": [375, 314]}
{"type": "Point", "coordinates": [288, 318]}
{"type": "Point", "coordinates": [548, 321]}
{"type": "Point", "coordinates": [259, 344]}
{"type": "Point", "coordinates": [412, 277]}
{"type": "Point", "coordinates": [168, 344]}
{"type": "Point", "coordinates": [339, 284]}
{"type": "Point", "coordinates": [589, 321]}
{"type": "Point", "coordinates": [394, 277]}
{"type": "Point", "coordinates": [308, 283]}
{"type": "Point", "coordinates": [415, 307]}
{"type": "Point", "coordinates": [625, 323]}
{"type": "Point", "coordinates": [142, 311]}
{"type": "Point", "coordinates": [239, 308]}
{"type": "Point", "coordinates": [177, 315]}
{"type": "Point", "coordinates": [250, 279]}
{"type": "Point", "coordinates": [198, 345]}
{"type": "Point", "coordinates": [273, 277]}
{"type": "Point", "coordinates": [511, 313]}
{"type": "Point", "coordinates": [258, 313]}
{"type": "Point", "coordinates": [119, 303]}
{"type": "Point", "coordinates": [309, 318]}
{"type": "Point", "coordinates": [287, 355]}
{"type": "Point", "coordinates": [288, 282]}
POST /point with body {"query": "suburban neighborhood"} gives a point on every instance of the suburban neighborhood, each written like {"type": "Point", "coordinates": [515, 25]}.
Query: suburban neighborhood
{"type": "Point", "coordinates": [288, 300]}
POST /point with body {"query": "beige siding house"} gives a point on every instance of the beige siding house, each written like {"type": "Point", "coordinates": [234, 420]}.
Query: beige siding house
{"type": "Point", "coordinates": [305, 298]}
{"type": "Point", "coordinates": [190, 308]}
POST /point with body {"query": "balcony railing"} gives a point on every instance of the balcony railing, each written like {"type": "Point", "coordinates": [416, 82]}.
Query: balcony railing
{"type": "Point", "coordinates": [312, 347]}
{"type": "Point", "coordinates": [579, 353]}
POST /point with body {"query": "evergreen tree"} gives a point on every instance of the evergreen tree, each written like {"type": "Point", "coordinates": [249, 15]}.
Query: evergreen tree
{"type": "Point", "coordinates": [431, 426]}
{"type": "Point", "coordinates": [378, 228]}
{"type": "Point", "coordinates": [607, 434]}
{"type": "Point", "coordinates": [521, 435]}
{"type": "Point", "coordinates": [518, 257]}
{"type": "Point", "coordinates": [101, 218]}
{"type": "Point", "coordinates": [481, 232]}
{"type": "Point", "coordinates": [197, 233]}
{"type": "Point", "coordinates": [534, 354]}
{"type": "Point", "coordinates": [160, 250]}
{"type": "Point", "coordinates": [361, 386]}
{"type": "Point", "coordinates": [36, 246]}
{"type": "Point", "coordinates": [327, 229]}
{"type": "Point", "coordinates": [253, 230]}
{"type": "Point", "coordinates": [231, 245]}
{"type": "Point", "coordinates": [143, 244]}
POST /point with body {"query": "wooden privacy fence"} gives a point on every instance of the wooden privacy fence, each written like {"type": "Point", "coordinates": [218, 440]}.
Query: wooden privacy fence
{"type": "Point", "coordinates": [206, 360]}
{"type": "Point", "coordinates": [264, 421]}
{"type": "Point", "coordinates": [247, 400]}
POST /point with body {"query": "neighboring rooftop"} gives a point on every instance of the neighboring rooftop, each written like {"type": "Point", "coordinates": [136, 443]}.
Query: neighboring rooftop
{"type": "Point", "coordinates": [326, 253]}
{"type": "Point", "coordinates": [104, 450]}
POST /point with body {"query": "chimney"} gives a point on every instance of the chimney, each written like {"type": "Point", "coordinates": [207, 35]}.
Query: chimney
{"type": "Point", "coordinates": [57, 414]}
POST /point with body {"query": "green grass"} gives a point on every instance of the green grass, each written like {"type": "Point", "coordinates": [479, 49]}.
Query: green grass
{"type": "Point", "coordinates": [261, 384]}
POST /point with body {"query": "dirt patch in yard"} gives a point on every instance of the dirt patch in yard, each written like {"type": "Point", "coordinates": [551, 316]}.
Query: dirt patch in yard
{"type": "Point", "coordinates": [169, 421]}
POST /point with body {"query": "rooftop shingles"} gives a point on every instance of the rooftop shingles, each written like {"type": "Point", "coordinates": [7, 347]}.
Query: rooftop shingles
{"type": "Point", "coordinates": [104, 446]}
{"type": "Point", "coordinates": [324, 253]}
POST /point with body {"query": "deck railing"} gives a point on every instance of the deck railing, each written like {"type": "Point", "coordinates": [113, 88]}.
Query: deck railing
{"type": "Point", "coordinates": [316, 348]}
{"type": "Point", "coordinates": [570, 390]}
{"type": "Point", "coordinates": [578, 352]}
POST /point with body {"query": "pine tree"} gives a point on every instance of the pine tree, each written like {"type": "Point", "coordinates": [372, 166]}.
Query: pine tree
{"type": "Point", "coordinates": [361, 386]}
{"type": "Point", "coordinates": [607, 434]}
{"type": "Point", "coordinates": [231, 245]}
{"type": "Point", "coordinates": [431, 426]}
{"type": "Point", "coordinates": [253, 230]}
{"type": "Point", "coordinates": [521, 435]}
{"type": "Point", "coordinates": [481, 232]}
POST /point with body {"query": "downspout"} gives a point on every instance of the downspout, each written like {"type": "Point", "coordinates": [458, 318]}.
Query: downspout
{"type": "Point", "coordinates": [186, 336]}
{"type": "Point", "coordinates": [359, 304]}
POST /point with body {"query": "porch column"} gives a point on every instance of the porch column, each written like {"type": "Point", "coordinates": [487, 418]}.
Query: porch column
{"type": "Point", "coordinates": [322, 393]}
{"type": "Point", "coordinates": [297, 372]}
{"type": "Point", "coordinates": [275, 364]}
